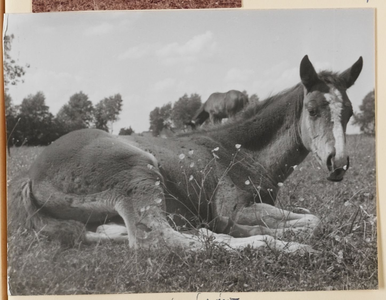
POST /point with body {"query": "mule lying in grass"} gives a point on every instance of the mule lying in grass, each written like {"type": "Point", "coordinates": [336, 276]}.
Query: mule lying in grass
{"type": "Point", "coordinates": [219, 106]}
{"type": "Point", "coordinates": [226, 178]}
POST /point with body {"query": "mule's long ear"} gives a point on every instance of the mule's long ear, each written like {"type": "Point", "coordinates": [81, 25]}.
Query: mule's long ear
{"type": "Point", "coordinates": [351, 74]}
{"type": "Point", "coordinates": [308, 74]}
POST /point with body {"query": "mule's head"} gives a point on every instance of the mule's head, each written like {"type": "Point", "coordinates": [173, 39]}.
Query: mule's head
{"type": "Point", "coordinates": [325, 114]}
{"type": "Point", "coordinates": [191, 123]}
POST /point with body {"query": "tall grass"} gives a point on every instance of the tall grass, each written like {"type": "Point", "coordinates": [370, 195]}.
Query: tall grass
{"type": "Point", "coordinates": [347, 245]}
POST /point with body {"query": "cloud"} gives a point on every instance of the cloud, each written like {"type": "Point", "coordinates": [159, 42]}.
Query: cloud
{"type": "Point", "coordinates": [237, 75]}
{"type": "Point", "coordinates": [320, 66]}
{"type": "Point", "coordinates": [165, 84]}
{"type": "Point", "coordinates": [276, 81]}
{"type": "Point", "coordinates": [102, 28]}
{"type": "Point", "coordinates": [136, 52]}
{"type": "Point", "coordinates": [198, 47]}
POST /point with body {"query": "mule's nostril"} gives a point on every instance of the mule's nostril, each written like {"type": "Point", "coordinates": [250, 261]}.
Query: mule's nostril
{"type": "Point", "coordinates": [330, 162]}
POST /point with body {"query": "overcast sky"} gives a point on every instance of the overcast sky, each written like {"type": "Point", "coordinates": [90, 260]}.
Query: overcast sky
{"type": "Point", "coordinates": [155, 57]}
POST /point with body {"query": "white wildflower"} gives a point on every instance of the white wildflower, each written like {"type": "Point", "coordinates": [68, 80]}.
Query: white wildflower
{"type": "Point", "coordinates": [149, 166]}
{"type": "Point", "coordinates": [191, 152]}
{"type": "Point", "coordinates": [294, 167]}
{"type": "Point", "coordinates": [215, 149]}
{"type": "Point", "coordinates": [181, 156]}
{"type": "Point", "coordinates": [191, 164]}
{"type": "Point", "coordinates": [157, 182]}
{"type": "Point", "coordinates": [247, 182]}
{"type": "Point", "coordinates": [280, 184]}
{"type": "Point", "coordinates": [340, 256]}
{"type": "Point", "coordinates": [191, 177]}
{"type": "Point", "coordinates": [158, 200]}
{"type": "Point", "coordinates": [237, 146]}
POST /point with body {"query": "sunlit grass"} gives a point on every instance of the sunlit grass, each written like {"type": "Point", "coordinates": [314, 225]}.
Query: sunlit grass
{"type": "Point", "coordinates": [347, 245]}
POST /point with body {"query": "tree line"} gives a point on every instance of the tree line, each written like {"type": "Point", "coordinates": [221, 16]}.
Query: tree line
{"type": "Point", "coordinates": [174, 116]}
{"type": "Point", "coordinates": [365, 118]}
{"type": "Point", "coordinates": [31, 123]}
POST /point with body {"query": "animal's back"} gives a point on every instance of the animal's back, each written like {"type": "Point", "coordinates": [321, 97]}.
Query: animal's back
{"type": "Point", "coordinates": [80, 162]}
{"type": "Point", "coordinates": [216, 105]}
{"type": "Point", "coordinates": [235, 101]}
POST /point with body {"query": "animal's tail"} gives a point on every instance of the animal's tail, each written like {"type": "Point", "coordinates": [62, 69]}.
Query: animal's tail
{"type": "Point", "coordinates": [24, 213]}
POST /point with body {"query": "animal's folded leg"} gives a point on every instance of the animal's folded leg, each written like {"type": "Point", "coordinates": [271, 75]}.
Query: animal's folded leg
{"type": "Point", "coordinates": [257, 241]}
{"type": "Point", "coordinates": [110, 232]}
{"type": "Point", "coordinates": [276, 218]}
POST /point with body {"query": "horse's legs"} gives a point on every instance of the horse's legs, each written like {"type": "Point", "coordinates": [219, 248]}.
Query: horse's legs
{"type": "Point", "coordinates": [256, 241]}
{"type": "Point", "coordinates": [279, 220]}
{"type": "Point", "coordinates": [226, 225]}
{"type": "Point", "coordinates": [139, 201]}
{"type": "Point", "coordinates": [212, 118]}
{"type": "Point", "coordinates": [217, 120]}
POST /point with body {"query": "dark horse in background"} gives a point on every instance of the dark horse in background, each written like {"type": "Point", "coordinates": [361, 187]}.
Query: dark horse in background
{"type": "Point", "coordinates": [225, 178]}
{"type": "Point", "coordinates": [219, 106]}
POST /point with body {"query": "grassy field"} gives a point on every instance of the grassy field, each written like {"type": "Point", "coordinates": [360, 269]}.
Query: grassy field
{"type": "Point", "coordinates": [75, 5]}
{"type": "Point", "coordinates": [347, 245]}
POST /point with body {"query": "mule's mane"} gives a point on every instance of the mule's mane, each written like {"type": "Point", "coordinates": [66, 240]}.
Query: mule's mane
{"type": "Point", "coordinates": [260, 106]}
{"type": "Point", "coordinates": [265, 106]}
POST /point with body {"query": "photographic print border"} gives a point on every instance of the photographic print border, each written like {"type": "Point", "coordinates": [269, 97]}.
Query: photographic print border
{"type": "Point", "coordinates": [380, 93]}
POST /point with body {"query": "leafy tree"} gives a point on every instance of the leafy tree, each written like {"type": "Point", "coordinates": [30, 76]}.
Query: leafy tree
{"type": "Point", "coordinates": [107, 111]}
{"type": "Point", "coordinates": [36, 124]}
{"type": "Point", "coordinates": [253, 98]}
{"type": "Point", "coordinates": [10, 118]}
{"type": "Point", "coordinates": [160, 118]}
{"type": "Point", "coordinates": [126, 131]}
{"type": "Point", "coordinates": [12, 75]}
{"type": "Point", "coordinates": [78, 113]}
{"type": "Point", "coordinates": [366, 118]}
{"type": "Point", "coordinates": [12, 71]}
{"type": "Point", "coordinates": [184, 109]}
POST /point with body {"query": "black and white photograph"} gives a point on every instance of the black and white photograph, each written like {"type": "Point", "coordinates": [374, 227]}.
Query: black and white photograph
{"type": "Point", "coordinates": [191, 151]}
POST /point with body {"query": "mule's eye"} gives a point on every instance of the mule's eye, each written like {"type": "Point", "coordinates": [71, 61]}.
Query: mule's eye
{"type": "Point", "coordinates": [312, 108]}
{"type": "Point", "coordinates": [313, 112]}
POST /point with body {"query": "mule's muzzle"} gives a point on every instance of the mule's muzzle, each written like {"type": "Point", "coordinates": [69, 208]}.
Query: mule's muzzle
{"type": "Point", "coordinates": [337, 173]}
{"type": "Point", "coordinates": [191, 123]}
